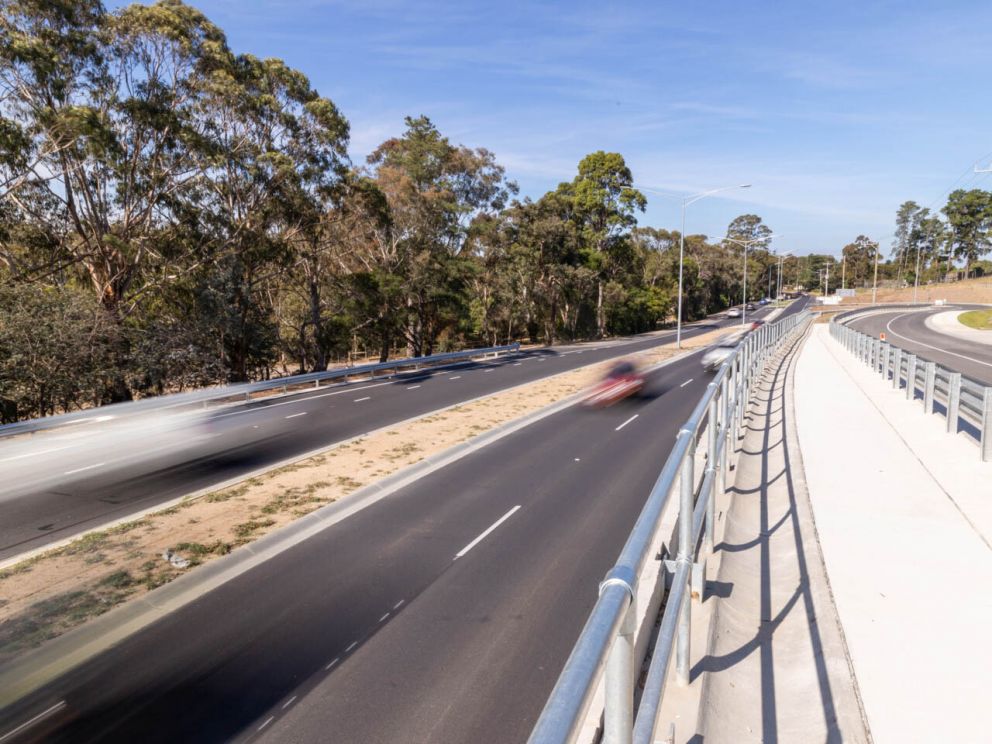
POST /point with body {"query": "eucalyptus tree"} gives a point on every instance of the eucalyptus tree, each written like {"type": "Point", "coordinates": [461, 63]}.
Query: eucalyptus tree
{"type": "Point", "coordinates": [436, 193]}
{"type": "Point", "coordinates": [603, 204]}
{"type": "Point", "coordinates": [969, 220]}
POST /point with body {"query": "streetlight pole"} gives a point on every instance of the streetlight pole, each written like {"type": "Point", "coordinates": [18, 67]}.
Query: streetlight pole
{"type": "Point", "coordinates": [746, 243]}
{"type": "Point", "coordinates": [686, 201]}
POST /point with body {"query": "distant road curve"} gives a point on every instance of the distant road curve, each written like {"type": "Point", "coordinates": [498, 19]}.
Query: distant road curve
{"type": "Point", "coordinates": [908, 329]}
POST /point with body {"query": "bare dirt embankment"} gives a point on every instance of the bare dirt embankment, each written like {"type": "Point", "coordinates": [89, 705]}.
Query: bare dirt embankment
{"type": "Point", "coordinates": [51, 593]}
{"type": "Point", "coordinates": [977, 291]}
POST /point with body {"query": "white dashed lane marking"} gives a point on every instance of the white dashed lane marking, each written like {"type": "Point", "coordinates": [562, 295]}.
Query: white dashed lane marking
{"type": "Point", "coordinates": [627, 422]}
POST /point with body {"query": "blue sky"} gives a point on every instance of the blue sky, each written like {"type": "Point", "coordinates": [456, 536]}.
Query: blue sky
{"type": "Point", "coordinates": [835, 112]}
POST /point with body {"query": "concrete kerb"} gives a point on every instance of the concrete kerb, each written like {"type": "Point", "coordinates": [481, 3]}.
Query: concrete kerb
{"type": "Point", "coordinates": [23, 675]}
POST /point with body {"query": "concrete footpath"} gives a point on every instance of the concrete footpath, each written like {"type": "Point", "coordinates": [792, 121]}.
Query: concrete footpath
{"type": "Point", "coordinates": [903, 511]}
{"type": "Point", "coordinates": [776, 667]}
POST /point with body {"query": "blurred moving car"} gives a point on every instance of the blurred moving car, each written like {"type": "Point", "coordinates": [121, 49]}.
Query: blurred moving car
{"type": "Point", "coordinates": [724, 347]}
{"type": "Point", "coordinates": [751, 306]}
{"type": "Point", "coordinates": [622, 381]}
{"type": "Point", "coordinates": [734, 312]}
{"type": "Point", "coordinates": [763, 301]}
{"type": "Point", "coordinates": [756, 324]}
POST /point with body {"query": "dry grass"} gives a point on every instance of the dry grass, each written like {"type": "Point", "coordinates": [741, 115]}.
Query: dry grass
{"type": "Point", "coordinates": [970, 290]}
{"type": "Point", "coordinates": [55, 591]}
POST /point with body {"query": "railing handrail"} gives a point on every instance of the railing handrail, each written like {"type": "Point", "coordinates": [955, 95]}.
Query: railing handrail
{"type": "Point", "coordinates": [605, 642]}
{"type": "Point", "coordinates": [238, 390]}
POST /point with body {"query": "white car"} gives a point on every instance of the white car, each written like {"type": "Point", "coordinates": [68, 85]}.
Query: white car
{"type": "Point", "coordinates": [718, 354]}
{"type": "Point", "coordinates": [734, 312]}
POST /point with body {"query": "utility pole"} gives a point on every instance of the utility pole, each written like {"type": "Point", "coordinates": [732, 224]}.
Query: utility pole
{"type": "Point", "coordinates": [916, 283]}
{"type": "Point", "coordinates": [843, 272]}
{"type": "Point", "coordinates": [874, 284]}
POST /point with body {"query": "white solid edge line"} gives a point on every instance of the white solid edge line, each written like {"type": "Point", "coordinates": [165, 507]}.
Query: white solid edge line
{"type": "Point", "coordinates": [294, 415]}
{"type": "Point", "coordinates": [686, 382]}
{"type": "Point", "coordinates": [627, 422]}
{"type": "Point", "coordinates": [935, 348]}
{"type": "Point", "coordinates": [481, 537]}
{"type": "Point", "coordinates": [359, 400]}
{"type": "Point", "coordinates": [80, 470]}
{"type": "Point", "coordinates": [302, 397]}
{"type": "Point", "coordinates": [44, 714]}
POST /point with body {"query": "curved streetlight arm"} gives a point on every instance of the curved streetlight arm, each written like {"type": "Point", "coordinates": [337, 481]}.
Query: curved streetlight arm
{"type": "Point", "coordinates": [696, 197]}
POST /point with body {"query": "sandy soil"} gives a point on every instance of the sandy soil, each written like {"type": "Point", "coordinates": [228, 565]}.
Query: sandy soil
{"type": "Point", "coordinates": [969, 290]}
{"type": "Point", "coordinates": [55, 591]}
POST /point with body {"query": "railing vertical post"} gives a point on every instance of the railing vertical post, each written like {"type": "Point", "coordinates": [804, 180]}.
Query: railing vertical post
{"type": "Point", "coordinates": [930, 368]}
{"type": "Point", "coordinates": [886, 355]}
{"type": "Point", "coordinates": [725, 432]}
{"type": "Point", "coordinates": [953, 401]}
{"type": "Point", "coordinates": [896, 367]}
{"type": "Point", "coordinates": [686, 488]}
{"type": "Point", "coordinates": [987, 425]}
{"type": "Point", "coordinates": [712, 465]}
{"type": "Point", "coordinates": [911, 377]}
{"type": "Point", "coordinates": [618, 713]}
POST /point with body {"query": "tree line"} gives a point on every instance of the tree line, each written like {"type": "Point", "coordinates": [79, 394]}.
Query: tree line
{"type": "Point", "coordinates": [175, 214]}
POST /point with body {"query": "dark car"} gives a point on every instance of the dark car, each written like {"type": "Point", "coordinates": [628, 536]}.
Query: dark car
{"type": "Point", "coordinates": [750, 306]}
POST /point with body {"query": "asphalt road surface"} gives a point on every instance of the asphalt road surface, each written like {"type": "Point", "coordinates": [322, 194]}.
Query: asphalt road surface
{"type": "Point", "coordinates": [442, 613]}
{"type": "Point", "coordinates": [908, 330]}
{"type": "Point", "coordinates": [83, 495]}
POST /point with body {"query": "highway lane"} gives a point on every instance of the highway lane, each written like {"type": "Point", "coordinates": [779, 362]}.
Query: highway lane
{"type": "Point", "coordinates": [442, 613]}
{"type": "Point", "coordinates": [249, 437]}
{"type": "Point", "coordinates": [471, 652]}
{"type": "Point", "coordinates": [908, 330]}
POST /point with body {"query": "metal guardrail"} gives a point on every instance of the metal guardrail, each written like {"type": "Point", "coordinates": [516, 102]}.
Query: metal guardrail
{"type": "Point", "coordinates": [963, 400]}
{"type": "Point", "coordinates": [606, 644]}
{"type": "Point", "coordinates": [242, 391]}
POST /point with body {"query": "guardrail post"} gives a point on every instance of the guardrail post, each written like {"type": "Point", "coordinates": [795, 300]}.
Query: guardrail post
{"type": "Point", "coordinates": [896, 367]}
{"type": "Point", "coordinates": [987, 425]}
{"type": "Point", "coordinates": [931, 375]}
{"type": "Point", "coordinates": [911, 377]}
{"type": "Point", "coordinates": [953, 401]}
{"type": "Point", "coordinates": [886, 354]}
{"type": "Point", "coordinates": [686, 488]}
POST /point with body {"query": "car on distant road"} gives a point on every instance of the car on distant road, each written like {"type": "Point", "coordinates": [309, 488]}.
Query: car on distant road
{"type": "Point", "coordinates": [751, 306]}
{"type": "Point", "coordinates": [623, 380]}
{"type": "Point", "coordinates": [756, 324]}
{"type": "Point", "coordinates": [734, 312]}
{"type": "Point", "coordinates": [763, 301]}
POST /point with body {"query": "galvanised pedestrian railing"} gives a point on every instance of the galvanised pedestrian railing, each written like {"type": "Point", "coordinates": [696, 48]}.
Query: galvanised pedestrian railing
{"type": "Point", "coordinates": [962, 400]}
{"type": "Point", "coordinates": [605, 649]}
{"type": "Point", "coordinates": [244, 392]}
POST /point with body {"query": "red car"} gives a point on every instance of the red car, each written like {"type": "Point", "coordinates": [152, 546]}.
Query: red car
{"type": "Point", "coordinates": [622, 381]}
